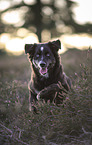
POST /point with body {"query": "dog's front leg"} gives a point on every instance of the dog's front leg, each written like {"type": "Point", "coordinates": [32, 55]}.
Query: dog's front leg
{"type": "Point", "coordinates": [32, 101]}
{"type": "Point", "coordinates": [49, 91]}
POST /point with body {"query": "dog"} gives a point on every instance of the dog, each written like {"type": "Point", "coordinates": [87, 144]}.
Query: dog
{"type": "Point", "coordinates": [47, 71]}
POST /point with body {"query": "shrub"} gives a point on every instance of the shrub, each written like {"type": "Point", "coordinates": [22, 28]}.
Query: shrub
{"type": "Point", "coordinates": [70, 123]}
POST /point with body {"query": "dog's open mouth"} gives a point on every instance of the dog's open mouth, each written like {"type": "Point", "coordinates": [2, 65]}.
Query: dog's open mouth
{"type": "Point", "coordinates": [43, 71]}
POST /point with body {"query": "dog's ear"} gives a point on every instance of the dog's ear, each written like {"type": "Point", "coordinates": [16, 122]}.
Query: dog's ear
{"type": "Point", "coordinates": [30, 49]}
{"type": "Point", "coordinates": [55, 45]}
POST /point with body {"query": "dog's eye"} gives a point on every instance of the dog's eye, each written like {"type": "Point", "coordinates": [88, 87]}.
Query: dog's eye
{"type": "Point", "coordinates": [37, 55]}
{"type": "Point", "coordinates": [47, 54]}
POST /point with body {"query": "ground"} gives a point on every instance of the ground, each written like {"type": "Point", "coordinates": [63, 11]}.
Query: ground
{"type": "Point", "coordinates": [67, 124]}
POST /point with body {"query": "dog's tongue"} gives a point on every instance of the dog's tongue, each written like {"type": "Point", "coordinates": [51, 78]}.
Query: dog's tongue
{"type": "Point", "coordinates": [43, 71]}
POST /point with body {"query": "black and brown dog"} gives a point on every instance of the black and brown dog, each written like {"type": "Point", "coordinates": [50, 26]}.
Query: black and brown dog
{"type": "Point", "coordinates": [47, 71]}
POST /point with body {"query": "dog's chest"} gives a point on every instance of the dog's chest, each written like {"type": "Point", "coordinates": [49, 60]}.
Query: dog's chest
{"type": "Point", "coordinates": [43, 83]}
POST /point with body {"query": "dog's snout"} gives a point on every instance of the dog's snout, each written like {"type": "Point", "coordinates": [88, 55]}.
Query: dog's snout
{"type": "Point", "coordinates": [42, 64]}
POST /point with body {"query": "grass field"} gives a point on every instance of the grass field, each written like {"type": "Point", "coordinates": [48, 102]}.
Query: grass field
{"type": "Point", "coordinates": [67, 124]}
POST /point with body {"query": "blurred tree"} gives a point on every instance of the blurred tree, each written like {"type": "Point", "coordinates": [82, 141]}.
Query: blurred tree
{"type": "Point", "coordinates": [53, 16]}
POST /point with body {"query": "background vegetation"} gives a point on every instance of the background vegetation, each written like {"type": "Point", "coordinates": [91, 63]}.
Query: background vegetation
{"type": "Point", "coordinates": [67, 124]}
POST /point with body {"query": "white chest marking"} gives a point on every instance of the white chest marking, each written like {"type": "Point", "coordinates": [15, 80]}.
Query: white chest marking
{"type": "Point", "coordinates": [42, 48]}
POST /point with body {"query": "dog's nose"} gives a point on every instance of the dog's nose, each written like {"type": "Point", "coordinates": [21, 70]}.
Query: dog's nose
{"type": "Point", "coordinates": [42, 64]}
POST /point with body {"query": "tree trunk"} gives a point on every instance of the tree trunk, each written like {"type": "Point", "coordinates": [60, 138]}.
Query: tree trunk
{"type": "Point", "coordinates": [38, 19]}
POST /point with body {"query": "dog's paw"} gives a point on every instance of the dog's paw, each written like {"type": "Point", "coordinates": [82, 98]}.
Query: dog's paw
{"type": "Point", "coordinates": [38, 96]}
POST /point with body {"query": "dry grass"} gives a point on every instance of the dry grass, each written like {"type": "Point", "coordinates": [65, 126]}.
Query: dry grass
{"type": "Point", "coordinates": [67, 124]}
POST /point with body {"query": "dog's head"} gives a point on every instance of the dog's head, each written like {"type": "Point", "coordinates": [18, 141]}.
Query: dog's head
{"type": "Point", "coordinates": [42, 56]}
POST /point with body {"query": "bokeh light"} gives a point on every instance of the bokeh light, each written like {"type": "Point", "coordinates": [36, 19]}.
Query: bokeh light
{"type": "Point", "coordinates": [15, 45]}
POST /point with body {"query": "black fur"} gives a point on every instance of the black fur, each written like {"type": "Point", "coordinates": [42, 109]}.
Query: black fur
{"type": "Point", "coordinates": [47, 71]}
